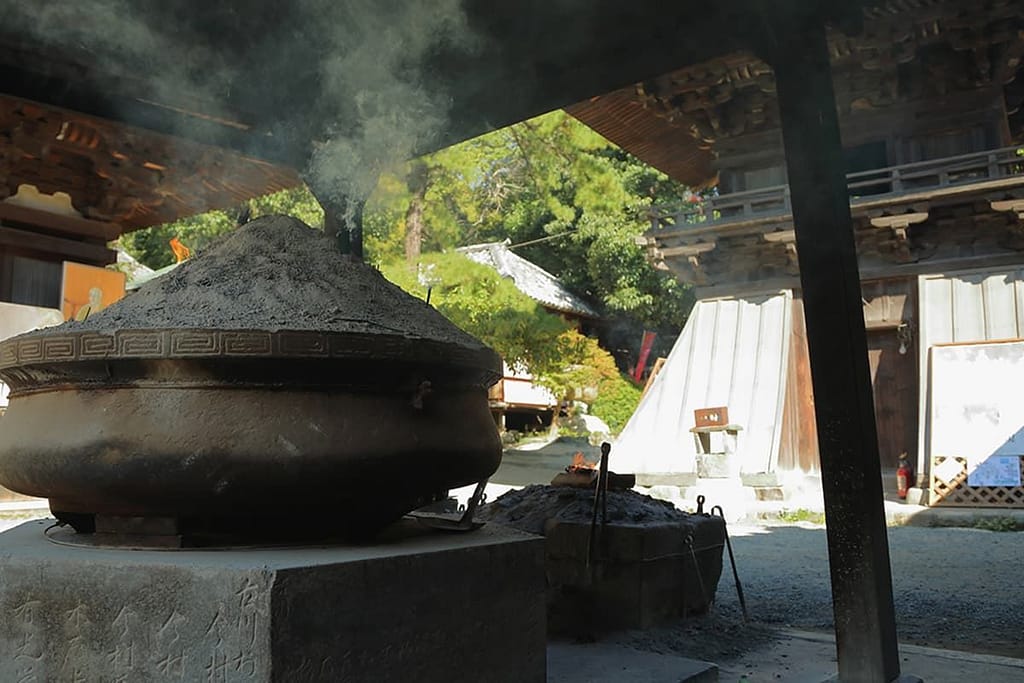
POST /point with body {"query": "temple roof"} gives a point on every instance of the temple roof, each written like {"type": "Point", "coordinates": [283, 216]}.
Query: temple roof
{"type": "Point", "coordinates": [928, 51]}
{"type": "Point", "coordinates": [529, 278]}
{"type": "Point", "coordinates": [120, 174]}
{"type": "Point", "coordinates": [171, 107]}
{"type": "Point", "coordinates": [219, 102]}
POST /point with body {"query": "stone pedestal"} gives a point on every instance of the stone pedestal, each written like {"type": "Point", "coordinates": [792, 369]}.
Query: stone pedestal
{"type": "Point", "coordinates": [416, 605]}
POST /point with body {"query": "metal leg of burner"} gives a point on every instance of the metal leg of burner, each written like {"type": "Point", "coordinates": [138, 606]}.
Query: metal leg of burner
{"type": "Point", "coordinates": [473, 503]}
{"type": "Point", "coordinates": [465, 523]}
{"type": "Point", "coordinates": [732, 561]}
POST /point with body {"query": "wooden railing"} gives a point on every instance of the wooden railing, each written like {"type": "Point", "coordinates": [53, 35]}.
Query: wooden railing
{"type": "Point", "coordinates": [864, 186]}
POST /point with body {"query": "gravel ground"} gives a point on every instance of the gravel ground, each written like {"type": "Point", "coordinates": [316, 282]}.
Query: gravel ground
{"type": "Point", "coordinates": [12, 519]}
{"type": "Point", "coordinates": [954, 588]}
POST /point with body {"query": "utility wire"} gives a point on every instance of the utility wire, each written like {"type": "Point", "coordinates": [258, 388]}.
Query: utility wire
{"type": "Point", "coordinates": [541, 239]}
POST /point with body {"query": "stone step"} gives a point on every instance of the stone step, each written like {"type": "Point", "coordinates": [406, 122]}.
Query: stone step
{"type": "Point", "coordinates": [604, 663]}
{"type": "Point", "coordinates": [763, 493]}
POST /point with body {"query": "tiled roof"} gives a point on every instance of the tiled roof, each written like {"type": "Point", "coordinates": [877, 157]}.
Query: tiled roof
{"type": "Point", "coordinates": [529, 278]}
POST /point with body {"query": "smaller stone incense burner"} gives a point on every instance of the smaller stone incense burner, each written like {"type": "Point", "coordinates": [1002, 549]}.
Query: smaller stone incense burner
{"type": "Point", "coordinates": [648, 563]}
{"type": "Point", "coordinates": [270, 384]}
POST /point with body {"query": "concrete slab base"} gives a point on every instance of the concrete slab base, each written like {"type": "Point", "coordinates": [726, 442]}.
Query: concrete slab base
{"type": "Point", "coordinates": [806, 657]}
{"type": "Point", "coordinates": [900, 679]}
{"type": "Point", "coordinates": [599, 663]}
{"type": "Point", "coordinates": [416, 605]}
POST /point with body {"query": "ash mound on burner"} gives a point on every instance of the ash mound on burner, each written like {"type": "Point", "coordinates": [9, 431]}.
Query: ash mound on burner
{"type": "Point", "coordinates": [276, 273]}
{"type": "Point", "coordinates": [531, 508]}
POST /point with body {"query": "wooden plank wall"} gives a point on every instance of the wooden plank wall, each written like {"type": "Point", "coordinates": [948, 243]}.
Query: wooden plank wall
{"type": "Point", "coordinates": [799, 447]}
{"type": "Point", "coordinates": [29, 281]}
{"type": "Point", "coordinates": [965, 306]}
{"type": "Point", "coordinates": [888, 303]}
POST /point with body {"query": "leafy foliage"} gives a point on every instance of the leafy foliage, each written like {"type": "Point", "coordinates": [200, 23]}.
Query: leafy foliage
{"type": "Point", "coordinates": [488, 306]}
{"type": "Point", "coordinates": [297, 201]}
{"type": "Point", "coordinates": [150, 246]}
{"type": "Point", "coordinates": [555, 180]}
{"type": "Point", "coordinates": [589, 374]}
{"type": "Point", "coordinates": [617, 399]}
{"type": "Point", "coordinates": [1001, 524]}
{"type": "Point", "coordinates": [574, 202]}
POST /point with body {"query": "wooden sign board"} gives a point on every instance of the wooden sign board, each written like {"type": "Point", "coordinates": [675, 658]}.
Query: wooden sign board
{"type": "Point", "coordinates": [88, 289]}
{"type": "Point", "coordinates": [977, 424]}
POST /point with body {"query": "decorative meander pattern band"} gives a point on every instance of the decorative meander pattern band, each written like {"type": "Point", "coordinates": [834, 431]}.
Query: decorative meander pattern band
{"type": "Point", "coordinates": [34, 349]}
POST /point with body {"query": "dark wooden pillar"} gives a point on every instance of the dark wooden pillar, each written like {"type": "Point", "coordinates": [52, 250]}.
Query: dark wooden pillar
{"type": "Point", "coordinates": [850, 470]}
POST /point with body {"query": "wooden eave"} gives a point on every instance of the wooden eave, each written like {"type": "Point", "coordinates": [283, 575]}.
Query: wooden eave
{"type": "Point", "coordinates": [621, 117]}
{"type": "Point", "coordinates": [675, 120]}
{"type": "Point", "coordinates": [528, 57]}
{"type": "Point", "coordinates": [119, 176]}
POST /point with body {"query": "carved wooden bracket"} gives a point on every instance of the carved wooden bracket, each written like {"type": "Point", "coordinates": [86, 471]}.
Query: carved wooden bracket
{"type": "Point", "coordinates": [1012, 205]}
{"type": "Point", "coordinates": [1015, 205]}
{"type": "Point", "coordinates": [693, 254]}
{"type": "Point", "coordinates": [787, 238]}
{"type": "Point", "coordinates": [900, 227]}
{"type": "Point", "coordinates": [119, 174]}
{"type": "Point", "coordinates": [650, 247]}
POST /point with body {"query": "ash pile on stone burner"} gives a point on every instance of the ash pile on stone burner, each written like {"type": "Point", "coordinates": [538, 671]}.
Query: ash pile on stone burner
{"type": "Point", "coordinates": [532, 508]}
{"type": "Point", "coordinates": [276, 273]}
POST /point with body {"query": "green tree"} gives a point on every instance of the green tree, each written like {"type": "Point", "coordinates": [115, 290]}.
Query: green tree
{"type": "Point", "coordinates": [590, 375]}
{"type": "Point", "coordinates": [489, 307]}
{"type": "Point", "coordinates": [150, 246]}
{"type": "Point", "coordinates": [297, 201]}
{"type": "Point", "coordinates": [574, 202]}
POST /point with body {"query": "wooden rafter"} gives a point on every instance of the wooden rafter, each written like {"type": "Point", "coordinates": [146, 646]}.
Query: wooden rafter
{"type": "Point", "coordinates": [122, 176]}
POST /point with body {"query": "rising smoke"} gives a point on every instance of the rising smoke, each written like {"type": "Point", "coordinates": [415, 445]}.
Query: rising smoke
{"type": "Point", "coordinates": [121, 40]}
{"type": "Point", "coordinates": [374, 69]}
{"type": "Point", "coordinates": [345, 80]}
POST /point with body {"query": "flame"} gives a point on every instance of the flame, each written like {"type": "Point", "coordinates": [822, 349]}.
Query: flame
{"type": "Point", "coordinates": [181, 252]}
{"type": "Point", "coordinates": [581, 463]}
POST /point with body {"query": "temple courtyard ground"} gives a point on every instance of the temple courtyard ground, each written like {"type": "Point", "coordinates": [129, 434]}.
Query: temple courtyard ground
{"type": "Point", "coordinates": [959, 607]}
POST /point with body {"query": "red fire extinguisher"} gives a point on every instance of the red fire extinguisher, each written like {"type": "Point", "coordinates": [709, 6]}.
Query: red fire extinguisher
{"type": "Point", "coordinates": [904, 475]}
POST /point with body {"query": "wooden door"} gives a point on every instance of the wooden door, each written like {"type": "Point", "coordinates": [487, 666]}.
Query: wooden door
{"type": "Point", "coordinates": [894, 380]}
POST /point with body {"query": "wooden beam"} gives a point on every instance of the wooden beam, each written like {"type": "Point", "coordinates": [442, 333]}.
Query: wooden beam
{"type": "Point", "coordinates": [84, 252]}
{"type": "Point", "coordinates": [689, 249]}
{"type": "Point", "coordinates": [68, 225]}
{"type": "Point", "coordinates": [843, 401]}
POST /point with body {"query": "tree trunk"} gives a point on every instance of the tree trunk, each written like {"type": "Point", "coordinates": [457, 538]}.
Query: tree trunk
{"type": "Point", "coordinates": [418, 182]}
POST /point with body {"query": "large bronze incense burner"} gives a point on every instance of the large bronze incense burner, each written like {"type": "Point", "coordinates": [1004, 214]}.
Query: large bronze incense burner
{"type": "Point", "coordinates": [268, 384]}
